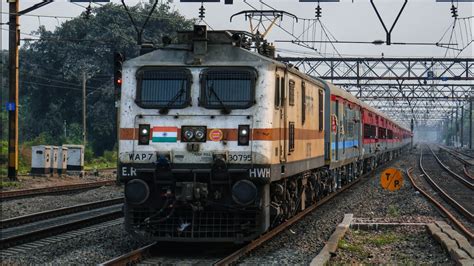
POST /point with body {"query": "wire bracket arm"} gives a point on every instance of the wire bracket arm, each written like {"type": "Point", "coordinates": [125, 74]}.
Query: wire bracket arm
{"type": "Point", "coordinates": [388, 32]}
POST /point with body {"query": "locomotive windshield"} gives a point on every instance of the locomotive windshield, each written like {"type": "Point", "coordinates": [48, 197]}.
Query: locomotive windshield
{"type": "Point", "coordinates": [228, 88]}
{"type": "Point", "coordinates": [163, 88]}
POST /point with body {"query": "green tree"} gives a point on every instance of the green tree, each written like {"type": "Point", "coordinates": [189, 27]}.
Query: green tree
{"type": "Point", "coordinates": [51, 71]}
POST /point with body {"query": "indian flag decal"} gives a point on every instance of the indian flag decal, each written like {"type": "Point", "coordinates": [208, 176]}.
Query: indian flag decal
{"type": "Point", "coordinates": [165, 134]}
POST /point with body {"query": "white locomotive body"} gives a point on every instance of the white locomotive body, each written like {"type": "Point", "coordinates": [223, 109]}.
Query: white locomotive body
{"type": "Point", "coordinates": [219, 143]}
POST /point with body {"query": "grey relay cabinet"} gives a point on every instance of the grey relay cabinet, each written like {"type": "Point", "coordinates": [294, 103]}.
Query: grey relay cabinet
{"type": "Point", "coordinates": [62, 160]}
{"type": "Point", "coordinates": [40, 160]}
{"type": "Point", "coordinates": [75, 158]}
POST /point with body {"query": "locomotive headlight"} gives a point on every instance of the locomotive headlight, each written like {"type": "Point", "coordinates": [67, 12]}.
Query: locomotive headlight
{"type": "Point", "coordinates": [243, 135]}
{"type": "Point", "coordinates": [244, 192]}
{"type": "Point", "coordinates": [200, 134]}
{"type": "Point", "coordinates": [137, 191]}
{"type": "Point", "coordinates": [143, 134]}
{"type": "Point", "coordinates": [188, 134]}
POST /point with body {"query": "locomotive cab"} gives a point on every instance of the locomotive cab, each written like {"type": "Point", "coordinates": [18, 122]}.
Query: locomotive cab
{"type": "Point", "coordinates": [192, 117]}
{"type": "Point", "coordinates": [219, 142]}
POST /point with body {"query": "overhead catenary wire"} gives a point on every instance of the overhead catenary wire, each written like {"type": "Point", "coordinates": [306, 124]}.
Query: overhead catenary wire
{"type": "Point", "coordinates": [57, 86]}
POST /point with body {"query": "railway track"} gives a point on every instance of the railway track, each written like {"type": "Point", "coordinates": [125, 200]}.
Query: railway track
{"type": "Point", "coordinates": [466, 182]}
{"type": "Point", "coordinates": [440, 206]}
{"type": "Point", "coordinates": [451, 190]}
{"type": "Point", "coordinates": [53, 190]}
{"type": "Point", "coordinates": [20, 220]}
{"type": "Point", "coordinates": [147, 254]}
{"type": "Point", "coordinates": [28, 228]}
{"type": "Point", "coordinates": [466, 159]}
{"type": "Point", "coordinates": [461, 156]}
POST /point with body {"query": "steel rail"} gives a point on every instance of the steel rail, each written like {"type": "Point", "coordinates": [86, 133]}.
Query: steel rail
{"type": "Point", "coordinates": [451, 217]}
{"type": "Point", "coordinates": [466, 172]}
{"type": "Point", "coordinates": [56, 189]}
{"type": "Point", "coordinates": [459, 155]}
{"type": "Point", "coordinates": [275, 231]}
{"type": "Point", "coordinates": [59, 228]}
{"type": "Point", "coordinates": [466, 182]}
{"type": "Point", "coordinates": [267, 236]}
{"type": "Point", "coordinates": [130, 258]}
{"type": "Point", "coordinates": [15, 221]}
{"type": "Point", "coordinates": [140, 254]}
{"type": "Point", "coordinates": [443, 193]}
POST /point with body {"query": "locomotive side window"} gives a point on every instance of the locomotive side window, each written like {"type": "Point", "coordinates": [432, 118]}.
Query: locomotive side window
{"type": "Point", "coordinates": [291, 93]}
{"type": "Point", "coordinates": [163, 88]}
{"type": "Point", "coordinates": [291, 142]}
{"type": "Point", "coordinates": [228, 88]}
{"type": "Point", "coordinates": [282, 91]}
{"type": "Point", "coordinates": [277, 91]}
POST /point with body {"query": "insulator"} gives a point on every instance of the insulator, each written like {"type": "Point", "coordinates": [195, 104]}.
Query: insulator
{"type": "Point", "coordinates": [454, 11]}
{"type": "Point", "coordinates": [202, 12]}
{"type": "Point", "coordinates": [318, 11]}
{"type": "Point", "coordinates": [88, 11]}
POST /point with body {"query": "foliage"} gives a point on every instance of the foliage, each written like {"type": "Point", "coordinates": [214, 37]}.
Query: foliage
{"type": "Point", "coordinates": [352, 247]}
{"type": "Point", "coordinates": [108, 160]}
{"type": "Point", "coordinates": [51, 74]}
{"type": "Point", "coordinates": [383, 239]}
{"type": "Point", "coordinates": [393, 211]}
{"type": "Point", "coordinates": [5, 184]}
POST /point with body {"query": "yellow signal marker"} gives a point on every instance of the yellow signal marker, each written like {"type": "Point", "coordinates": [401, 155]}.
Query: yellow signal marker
{"type": "Point", "coordinates": [391, 179]}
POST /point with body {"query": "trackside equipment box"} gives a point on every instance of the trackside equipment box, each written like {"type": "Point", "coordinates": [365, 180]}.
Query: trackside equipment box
{"type": "Point", "coordinates": [54, 160]}
{"type": "Point", "coordinates": [62, 160]}
{"type": "Point", "coordinates": [75, 159]}
{"type": "Point", "coordinates": [41, 160]}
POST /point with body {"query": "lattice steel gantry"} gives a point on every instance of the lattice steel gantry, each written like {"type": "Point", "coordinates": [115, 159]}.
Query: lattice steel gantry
{"type": "Point", "coordinates": [425, 89]}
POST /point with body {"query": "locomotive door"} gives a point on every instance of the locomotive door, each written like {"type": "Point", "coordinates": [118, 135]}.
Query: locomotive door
{"type": "Point", "coordinates": [283, 119]}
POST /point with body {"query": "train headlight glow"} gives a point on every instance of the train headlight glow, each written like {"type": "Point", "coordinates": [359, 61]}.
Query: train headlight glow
{"type": "Point", "coordinates": [243, 135]}
{"type": "Point", "coordinates": [143, 134]}
{"type": "Point", "coordinates": [200, 134]}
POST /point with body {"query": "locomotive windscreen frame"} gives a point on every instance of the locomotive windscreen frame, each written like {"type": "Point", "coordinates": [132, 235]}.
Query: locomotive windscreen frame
{"type": "Point", "coordinates": [232, 88]}
{"type": "Point", "coordinates": [163, 87]}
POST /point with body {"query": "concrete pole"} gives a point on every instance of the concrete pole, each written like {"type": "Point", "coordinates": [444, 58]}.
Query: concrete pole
{"type": "Point", "coordinates": [84, 106]}
{"type": "Point", "coordinates": [14, 8]}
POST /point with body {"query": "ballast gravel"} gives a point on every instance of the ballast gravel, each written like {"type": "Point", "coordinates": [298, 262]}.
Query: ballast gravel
{"type": "Point", "coordinates": [394, 246]}
{"type": "Point", "coordinates": [296, 246]}
{"type": "Point", "coordinates": [86, 249]}
{"type": "Point", "coordinates": [303, 241]}
{"type": "Point", "coordinates": [23, 206]}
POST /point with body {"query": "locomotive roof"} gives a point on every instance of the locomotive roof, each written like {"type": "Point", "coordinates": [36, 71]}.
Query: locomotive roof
{"type": "Point", "coordinates": [221, 45]}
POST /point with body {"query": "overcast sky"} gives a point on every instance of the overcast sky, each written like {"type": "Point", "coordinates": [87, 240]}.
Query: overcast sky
{"type": "Point", "coordinates": [349, 20]}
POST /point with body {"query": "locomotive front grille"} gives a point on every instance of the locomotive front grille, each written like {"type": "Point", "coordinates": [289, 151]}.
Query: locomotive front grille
{"type": "Point", "coordinates": [207, 225]}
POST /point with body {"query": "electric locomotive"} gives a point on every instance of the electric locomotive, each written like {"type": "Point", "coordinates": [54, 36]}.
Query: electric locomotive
{"type": "Point", "coordinates": [219, 143]}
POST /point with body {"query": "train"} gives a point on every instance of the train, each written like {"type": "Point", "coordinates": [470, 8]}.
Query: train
{"type": "Point", "coordinates": [220, 142]}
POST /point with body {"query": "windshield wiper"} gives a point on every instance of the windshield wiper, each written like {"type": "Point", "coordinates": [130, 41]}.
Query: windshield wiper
{"type": "Point", "coordinates": [225, 110]}
{"type": "Point", "coordinates": [178, 95]}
